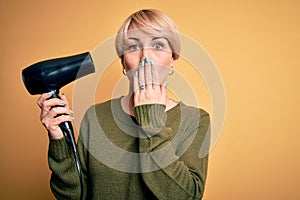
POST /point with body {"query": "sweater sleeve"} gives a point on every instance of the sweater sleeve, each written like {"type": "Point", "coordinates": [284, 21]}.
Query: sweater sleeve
{"type": "Point", "coordinates": [184, 177]}
{"type": "Point", "coordinates": [64, 182]}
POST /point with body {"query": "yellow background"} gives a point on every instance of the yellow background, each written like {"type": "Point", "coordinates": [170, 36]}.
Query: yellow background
{"type": "Point", "coordinates": [255, 45]}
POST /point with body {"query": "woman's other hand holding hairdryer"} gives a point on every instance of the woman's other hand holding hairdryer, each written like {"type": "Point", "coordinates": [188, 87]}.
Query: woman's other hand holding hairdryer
{"type": "Point", "coordinates": [54, 111]}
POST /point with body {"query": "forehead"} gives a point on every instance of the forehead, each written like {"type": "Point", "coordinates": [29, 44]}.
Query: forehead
{"type": "Point", "coordinates": [146, 39]}
{"type": "Point", "coordinates": [144, 34]}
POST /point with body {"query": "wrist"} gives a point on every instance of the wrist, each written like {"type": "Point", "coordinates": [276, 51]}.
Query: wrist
{"type": "Point", "coordinates": [56, 135]}
{"type": "Point", "coordinates": [151, 117]}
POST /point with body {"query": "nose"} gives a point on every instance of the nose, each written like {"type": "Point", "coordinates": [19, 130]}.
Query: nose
{"type": "Point", "coordinates": [144, 53]}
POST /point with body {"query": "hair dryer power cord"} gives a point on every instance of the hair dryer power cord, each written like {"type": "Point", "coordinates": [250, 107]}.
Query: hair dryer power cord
{"type": "Point", "coordinates": [68, 131]}
{"type": "Point", "coordinates": [69, 136]}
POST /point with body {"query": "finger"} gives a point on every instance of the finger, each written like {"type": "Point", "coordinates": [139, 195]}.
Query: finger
{"type": "Point", "coordinates": [62, 118]}
{"type": "Point", "coordinates": [48, 104]}
{"type": "Point", "coordinates": [53, 123]}
{"type": "Point", "coordinates": [164, 88]}
{"type": "Point", "coordinates": [148, 74]}
{"type": "Point", "coordinates": [64, 98]}
{"type": "Point", "coordinates": [154, 71]}
{"type": "Point", "coordinates": [141, 76]}
{"type": "Point", "coordinates": [43, 98]}
{"type": "Point", "coordinates": [54, 112]}
{"type": "Point", "coordinates": [136, 82]}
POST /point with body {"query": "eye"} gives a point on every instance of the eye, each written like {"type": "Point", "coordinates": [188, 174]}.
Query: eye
{"type": "Point", "coordinates": [134, 47]}
{"type": "Point", "coordinates": [158, 46]}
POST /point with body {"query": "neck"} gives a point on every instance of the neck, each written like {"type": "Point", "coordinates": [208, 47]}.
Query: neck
{"type": "Point", "coordinates": [127, 103]}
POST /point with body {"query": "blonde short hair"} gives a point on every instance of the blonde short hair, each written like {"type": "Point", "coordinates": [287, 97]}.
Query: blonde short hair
{"type": "Point", "coordinates": [149, 21]}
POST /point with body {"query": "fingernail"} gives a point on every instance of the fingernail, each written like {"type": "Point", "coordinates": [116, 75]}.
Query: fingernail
{"type": "Point", "coordinates": [49, 93]}
{"type": "Point", "coordinates": [71, 112]}
{"type": "Point", "coordinates": [152, 63]}
{"type": "Point", "coordinates": [147, 59]}
{"type": "Point", "coordinates": [142, 64]}
{"type": "Point", "coordinates": [136, 74]}
{"type": "Point", "coordinates": [166, 84]}
{"type": "Point", "coordinates": [63, 102]}
{"type": "Point", "coordinates": [72, 118]}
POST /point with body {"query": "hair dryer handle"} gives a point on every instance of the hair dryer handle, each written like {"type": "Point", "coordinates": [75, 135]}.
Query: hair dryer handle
{"type": "Point", "coordinates": [66, 127]}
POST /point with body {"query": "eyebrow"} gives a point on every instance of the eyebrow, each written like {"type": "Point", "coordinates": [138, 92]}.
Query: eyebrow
{"type": "Point", "coordinates": [154, 38]}
{"type": "Point", "coordinates": [133, 38]}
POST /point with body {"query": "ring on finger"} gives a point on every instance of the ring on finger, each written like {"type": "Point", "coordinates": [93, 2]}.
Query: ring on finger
{"type": "Point", "coordinates": [142, 87]}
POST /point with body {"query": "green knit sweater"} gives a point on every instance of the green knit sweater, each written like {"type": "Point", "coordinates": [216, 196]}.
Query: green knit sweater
{"type": "Point", "coordinates": [154, 155]}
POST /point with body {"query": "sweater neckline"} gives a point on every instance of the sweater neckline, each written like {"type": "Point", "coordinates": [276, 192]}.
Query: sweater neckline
{"type": "Point", "coordinates": [119, 107]}
{"type": "Point", "coordinates": [121, 115]}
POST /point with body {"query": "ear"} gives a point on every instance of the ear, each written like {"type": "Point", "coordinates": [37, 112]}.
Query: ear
{"type": "Point", "coordinates": [122, 61]}
{"type": "Point", "coordinates": [173, 62]}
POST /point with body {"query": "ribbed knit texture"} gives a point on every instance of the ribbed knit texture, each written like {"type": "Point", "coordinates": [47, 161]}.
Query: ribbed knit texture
{"type": "Point", "coordinates": [150, 114]}
{"type": "Point", "coordinates": [177, 134]}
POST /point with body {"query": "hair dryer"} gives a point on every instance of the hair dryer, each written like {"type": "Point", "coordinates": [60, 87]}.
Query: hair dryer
{"type": "Point", "coordinates": [53, 74]}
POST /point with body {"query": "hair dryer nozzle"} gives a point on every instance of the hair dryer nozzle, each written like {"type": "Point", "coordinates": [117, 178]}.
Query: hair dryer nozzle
{"type": "Point", "coordinates": [51, 75]}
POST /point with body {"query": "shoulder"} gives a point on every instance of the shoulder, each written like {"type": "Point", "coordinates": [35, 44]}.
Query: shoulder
{"type": "Point", "coordinates": [193, 113]}
{"type": "Point", "coordinates": [103, 107]}
{"type": "Point", "coordinates": [100, 107]}
{"type": "Point", "coordinates": [99, 110]}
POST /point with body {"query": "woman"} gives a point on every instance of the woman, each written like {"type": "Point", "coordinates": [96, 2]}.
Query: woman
{"type": "Point", "coordinates": [166, 134]}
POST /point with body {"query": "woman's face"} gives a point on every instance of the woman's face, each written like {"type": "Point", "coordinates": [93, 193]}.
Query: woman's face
{"type": "Point", "coordinates": [140, 45]}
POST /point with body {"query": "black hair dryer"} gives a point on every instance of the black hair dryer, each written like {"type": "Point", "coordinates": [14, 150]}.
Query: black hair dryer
{"type": "Point", "coordinates": [53, 74]}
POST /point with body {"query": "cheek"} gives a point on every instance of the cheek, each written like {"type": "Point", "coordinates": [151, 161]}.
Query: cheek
{"type": "Point", "coordinates": [164, 59]}
{"type": "Point", "coordinates": [130, 62]}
